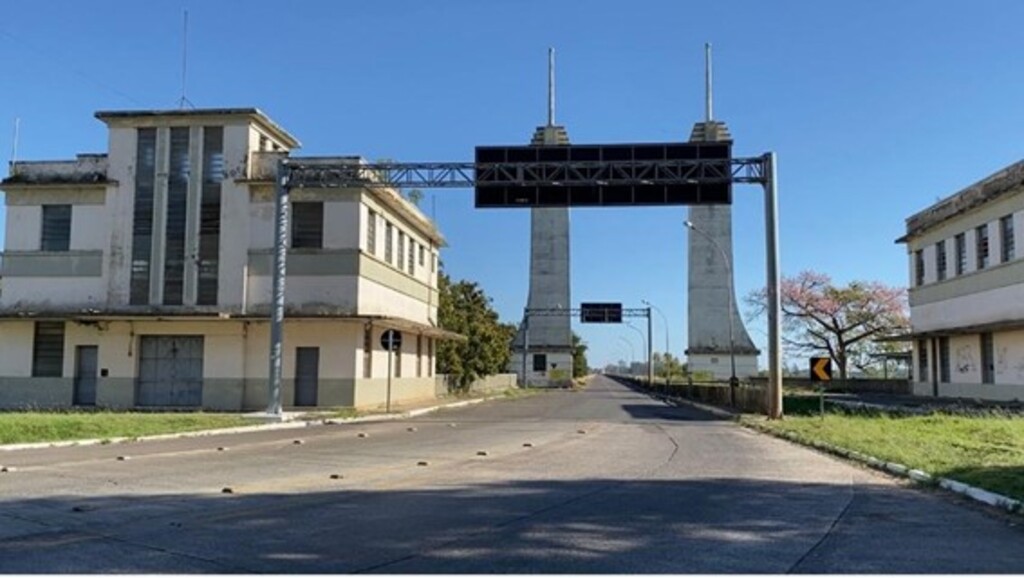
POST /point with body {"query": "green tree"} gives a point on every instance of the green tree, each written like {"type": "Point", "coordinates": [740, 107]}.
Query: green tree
{"type": "Point", "coordinates": [579, 356]}
{"type": "Point", "coordinates": [464, 308]}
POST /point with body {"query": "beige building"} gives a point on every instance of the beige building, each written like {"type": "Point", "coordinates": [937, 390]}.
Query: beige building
{"type": "Point", "coordinates": [967, 290]}
{"type": "Point", "coordinates": [142, 277]}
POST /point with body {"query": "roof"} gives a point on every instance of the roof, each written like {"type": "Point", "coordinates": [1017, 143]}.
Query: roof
{"type": "Point", "coordinates": [984, 191]}
{"type": "Point", "coordinates": [253, 114]}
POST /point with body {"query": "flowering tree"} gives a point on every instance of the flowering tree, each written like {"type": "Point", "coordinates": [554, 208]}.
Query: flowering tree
{"type": "Point", "coordinates": [841, 322]}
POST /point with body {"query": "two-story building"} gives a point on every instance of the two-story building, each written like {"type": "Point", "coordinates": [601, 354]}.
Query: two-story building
{"type": "Point", "coordinates": [967, 290]}
{"type": "Point", "coordinates": [142, 277]}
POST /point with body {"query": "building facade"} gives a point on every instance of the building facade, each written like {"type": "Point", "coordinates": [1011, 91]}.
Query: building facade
{"type": "Point", "coordinates": [142, 277]}
{"type": "Point", "coordinates": [967, 290]}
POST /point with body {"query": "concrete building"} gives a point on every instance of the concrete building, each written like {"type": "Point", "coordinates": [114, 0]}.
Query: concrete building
{"type": "Point", "coordinates": [142, 277]}
{"type": "Point", "coordinates": [967, 290]}
{"type": "Point", "coordinates": [710, 307]}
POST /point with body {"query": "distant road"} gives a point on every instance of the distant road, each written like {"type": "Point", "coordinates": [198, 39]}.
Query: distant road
{"type": "Point", "coordinates": [598, 481]}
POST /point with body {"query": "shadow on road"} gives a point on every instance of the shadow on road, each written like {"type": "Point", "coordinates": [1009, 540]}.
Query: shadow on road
{"type": "Point", "coordinates": [712, 525]}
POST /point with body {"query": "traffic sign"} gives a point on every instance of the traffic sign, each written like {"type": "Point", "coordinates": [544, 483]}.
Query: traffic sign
{"type": "Point", "coordinates": [391, 340]}
{"type": "Point", "coordinates": [600, 312]}
{"type": "Point", "coordinates": [821, 369]}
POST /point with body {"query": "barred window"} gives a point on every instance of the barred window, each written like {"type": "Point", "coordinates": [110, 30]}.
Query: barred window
{"type": "Point", "coordinates": [371, 233]}
{"type": "Point", "coordinates": [308, 225]}
{"type": "Point", "coordinates": [982, 245]}
{"type": "Point", "coordinates": [48, 349]}
{"type": "Point", "coordinates": [944, 359]}
{"type": "Point", "coordinates": [388, 232]}
{"type": "Point", "coordinates": [940, 260]}
{"type": "Point", "coordinates": [918, 268]}
{"type": "Point", "coordinates": [961, 253]}
{"type": "Point", "coordinates": [401, 250]}
{"type": "Point", "coordinates": [56, 228]}
{"type": "Point", "coordinates": [922, 360]}
{"type": "Point", "coordinates": [412, 256]}
{"type": "Point", "coordinates": [1006, 236]}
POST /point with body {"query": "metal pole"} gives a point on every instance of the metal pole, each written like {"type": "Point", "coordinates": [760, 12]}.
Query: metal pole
{"type": "Point", "coordinates": [281, 210]}
{"type": "Point", "coordinates": [774, 300]}
{"type": "Point", "coordinates": [526, 344]}
{"type": "Point", "coordinates": [650, 352]}
{"type": "Point", "coordinates": [390, 347]}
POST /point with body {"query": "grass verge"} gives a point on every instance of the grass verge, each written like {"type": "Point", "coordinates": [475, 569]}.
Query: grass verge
{"type": "Point", "coordinates": [29, 427]}
{"type": "Point", "coordinates": [985, 451]}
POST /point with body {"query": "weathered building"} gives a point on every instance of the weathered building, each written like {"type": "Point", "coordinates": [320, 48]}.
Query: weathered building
{"type": "Point", "coordinates": [967, 290]}
{"type": "Point", "coordinates": [142, 277]}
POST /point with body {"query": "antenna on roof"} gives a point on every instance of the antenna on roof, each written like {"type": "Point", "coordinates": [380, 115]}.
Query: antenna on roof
{"type": "Point", "coordinates": [708, 116]}
{"type": "Point", "coordinates": [551, 87]}
{"type": "Point", "coordinates": [183, 101]}
{"type": "Point", "coordinates": [14, 146]}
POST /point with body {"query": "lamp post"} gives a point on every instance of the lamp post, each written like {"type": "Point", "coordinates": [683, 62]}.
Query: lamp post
{"type": "Point", "coordinates": [665, 321]}
{"type": "Point", "coordinates": [646, 349]}
{"type": "Point", "coordinates": [733, 381]}
{"type": "Point", "coordinates": [632, 353]}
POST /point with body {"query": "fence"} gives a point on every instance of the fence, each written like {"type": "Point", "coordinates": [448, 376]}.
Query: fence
{"type": "Point", "coordinates": [751, 398]}
{"type": "Point", "coordinates": [887, 386]}
{"type": "Point", "coordinates": [445, 385]}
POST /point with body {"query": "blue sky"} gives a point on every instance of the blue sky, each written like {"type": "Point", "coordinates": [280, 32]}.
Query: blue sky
{"type": "Point", "coordinates": [876, 109]}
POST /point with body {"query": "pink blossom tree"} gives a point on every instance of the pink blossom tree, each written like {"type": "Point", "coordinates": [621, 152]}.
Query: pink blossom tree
{"type": "Point", "coordinates": [841, 322]}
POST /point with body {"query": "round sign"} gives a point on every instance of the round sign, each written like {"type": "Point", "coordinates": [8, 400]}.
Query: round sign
{"type": "Point", "coordinates": [391, 340]}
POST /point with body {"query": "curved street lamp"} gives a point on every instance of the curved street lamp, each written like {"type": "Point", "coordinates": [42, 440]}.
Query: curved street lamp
{"type": "Point", "coordinates": [733, 380]}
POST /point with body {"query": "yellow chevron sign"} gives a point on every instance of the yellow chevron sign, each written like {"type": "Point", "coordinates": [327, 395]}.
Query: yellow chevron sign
{"type": "Point", "coordinates": [821, 369]}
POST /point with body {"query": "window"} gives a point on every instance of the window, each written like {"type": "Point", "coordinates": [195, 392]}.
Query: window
{"type": "Point", "coordinates": [209, 215]}
{"type": "Point", "coordinates": [1006, 238]}
{"type": "Point", "coordinates": [922, 360]}
{"type": "Point", "coordinates": [401, 250]}
{"type": "Point", "coordinates": [961, 253]}
{"type": "Point", "coordinates": [177, 215]}
{"type": "Point", "coordinates": [387, 241]}
{"type": "Point", "coordinates": [540, 362]}
{"type": "Point", "coordinates": [412, 256]}
{"type": "Point", "coordinates": [371, 233]}
{"type": "Point", "coordinates": [944, 359]}
{"type": "Point", "coordinates": [981, 236]}
{"type": "Point", "coordinates": [419, 356]}
{"type": "Point", "coordinates": [423, 252]}
{"type": "Point", "coordinates": [56, 228]}
{"type": "Point", "coordinates": [142, 216]}
{"type": "Point", "coordinates": [940, 260]}
{"type": "Point", "coordinates": [918, 267]}
{"type": "Point", "coordinates": [430, 357]}
{"type": "Point", "coordinates": [48, 349]}
{"type": "Point", "coordinates": [368, 351]}
{"type": "Point", "coordinates": [988, 372]}
{"type": "Point", "coordinates": [307, 225]}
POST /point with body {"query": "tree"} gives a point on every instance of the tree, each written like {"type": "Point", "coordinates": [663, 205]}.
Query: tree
{"type": "Point", "coordinates": [464, 308]}
{"type": "Point", "coordinates": [579, 356]}
{"type": "Point", "coordinates": [841, 322]}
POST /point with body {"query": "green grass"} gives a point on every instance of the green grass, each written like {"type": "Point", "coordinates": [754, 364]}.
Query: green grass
{"type": "Point", "coordinates": [987, 452]}
{"type": "Point", "coordinates": [26, 427]}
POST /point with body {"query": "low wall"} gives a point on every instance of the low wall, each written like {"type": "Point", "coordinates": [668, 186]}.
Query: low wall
{"type": "Point", "coordinates": [751, 398]}
{"type": "Point", "coordinates": [887, 386]}
{"type": "Point", "coordinates": [444, 385]}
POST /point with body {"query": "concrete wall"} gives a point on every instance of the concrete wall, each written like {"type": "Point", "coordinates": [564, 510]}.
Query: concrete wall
{"type": "Point", "coordinates": [488, 384]}
{"type": "Point", "coordinates": [720, 366]}
{"type": "Point", "coordinates": [965, 372]}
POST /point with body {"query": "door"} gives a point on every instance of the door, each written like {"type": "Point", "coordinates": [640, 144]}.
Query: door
{"type": "Point", "coordinates": [170, 371]}
{"type": "Point", "coordinates": [85, 375]}
{"type": "Point", "coordinates": [307, 375]}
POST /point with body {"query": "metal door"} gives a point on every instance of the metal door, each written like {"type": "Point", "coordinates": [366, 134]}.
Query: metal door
{"type": "Point", "coordinates": [86, 364]}
{"type": "Point", "coordinates": [307, 375]}
{"type": "Point", "coordinates": [170, 371]}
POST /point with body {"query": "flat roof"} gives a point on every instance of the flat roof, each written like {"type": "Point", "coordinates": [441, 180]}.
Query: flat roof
{"type": "Point", "coordinates": [253, 114]}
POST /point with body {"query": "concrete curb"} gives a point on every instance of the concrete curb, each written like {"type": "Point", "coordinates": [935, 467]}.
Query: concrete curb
{"type": "Point", "coordinates": [984, 496]}
{"type": "Point", "coordinates": [249, 428]}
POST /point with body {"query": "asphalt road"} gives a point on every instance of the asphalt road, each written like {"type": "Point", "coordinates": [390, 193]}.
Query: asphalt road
{"type": "Point", "coordinates": [611, 481]}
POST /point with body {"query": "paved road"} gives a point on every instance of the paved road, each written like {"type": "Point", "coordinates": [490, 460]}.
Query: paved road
{"type": "Point", "coordinates": [613, 482]}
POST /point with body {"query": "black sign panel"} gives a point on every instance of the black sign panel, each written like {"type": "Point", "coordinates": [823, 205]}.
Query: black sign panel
{"type": "Point", "coordinates": [391, 340]}
{"type": "Point", "coordinates": [604, 175]}
{"type": "Point", "coordinates": [601, 312]}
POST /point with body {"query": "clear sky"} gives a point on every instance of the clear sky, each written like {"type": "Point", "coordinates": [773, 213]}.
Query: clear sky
{"type": "Point", "coordinates": [875, 108]}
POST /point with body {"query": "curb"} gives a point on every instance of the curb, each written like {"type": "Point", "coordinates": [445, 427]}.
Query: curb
{"type": "Point", "coordinates": [977, 494]}
{"type": "Point", "coordinates": [248, 428]}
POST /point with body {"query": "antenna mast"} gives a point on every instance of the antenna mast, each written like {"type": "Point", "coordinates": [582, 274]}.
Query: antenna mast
{"type": "Point", "coordinates": [708, 116]}
{"type": "Point", "coordinates": [183, 101]}
{"type": "Point", "coordinates": [14, 145]}
{"type": "Point", "coordinates": [551, 87]}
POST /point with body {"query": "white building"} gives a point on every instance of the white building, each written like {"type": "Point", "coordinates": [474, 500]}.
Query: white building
{"type": "Point", "coordinates": [967, 290]}
{"type": "Point", "coordinates": [141, 277]}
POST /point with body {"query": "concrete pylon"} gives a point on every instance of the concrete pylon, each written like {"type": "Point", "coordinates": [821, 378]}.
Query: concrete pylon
{"type": "Point", "coordinates": [548, 345]}
{"type": "Point", "coordinates": [710, 281]}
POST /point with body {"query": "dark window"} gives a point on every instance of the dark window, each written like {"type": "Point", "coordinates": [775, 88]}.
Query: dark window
{"type": "Point", "coordinates": [430, 357]}
{"type": "Point", "coordinates": [401, 250]}
{"type": "Point", "coordinates": [56, 228]}
{"type": "Point", "coordinates": [988, 372]}
{"type": "Point", "coordinates": [368, 351]}
{"type": "Point", "coordinates": [981, 239]}
{"type": "Point", "coordinates": [48, 349]}
{"type": "Point", "coordinates": [540, 362]}
{"type": "Point", "coordinates": [307, 225]}
{"type": "Point", "coordinates": [177, 214]}
{"type": "Point", "coordinates": [1006, 238]}
{"type": "Point", "coordinates": [918, 268]}
{"type": "Point", "coordinates": [944, 359]}
{"type": "Point", "coordinates": [419, 356]}
{"type": "Point", "coordinates": [922, 360]}
{"type": "Point", "coordinates": [961, 253]}
{"type": "Point", "coordinates": [412, 256]}
{"type": "Point", "coordinates": [423, 252]}
{"type": "Point", "coordinates": [142, 215]}
{"type": "Point", "coordinates": [940, 260]}
{"type": "Point", "coordinates": [371, 233]}
{"type": "Point", "coordinates": [209, 215]}
{"type": "Point", "coordinates": [387, 241]}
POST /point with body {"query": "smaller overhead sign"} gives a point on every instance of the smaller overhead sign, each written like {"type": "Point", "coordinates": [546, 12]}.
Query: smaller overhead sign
{"type": "Point", "coordinates": [391, 340]}
{"type": "Point", "coordinates": [601, 312]}
{"type": "Point", "coordinates": [821, 369]}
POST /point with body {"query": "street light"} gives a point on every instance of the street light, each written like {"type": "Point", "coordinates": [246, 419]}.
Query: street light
{"type": "Point", "coordinates": [643, 340]}
{"type": "Point", "coordinates": [665, 320]}
{"type": "Point", "coordinates": [733, 381]}
{"type": "Point", "coordinates": [632, 353]}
